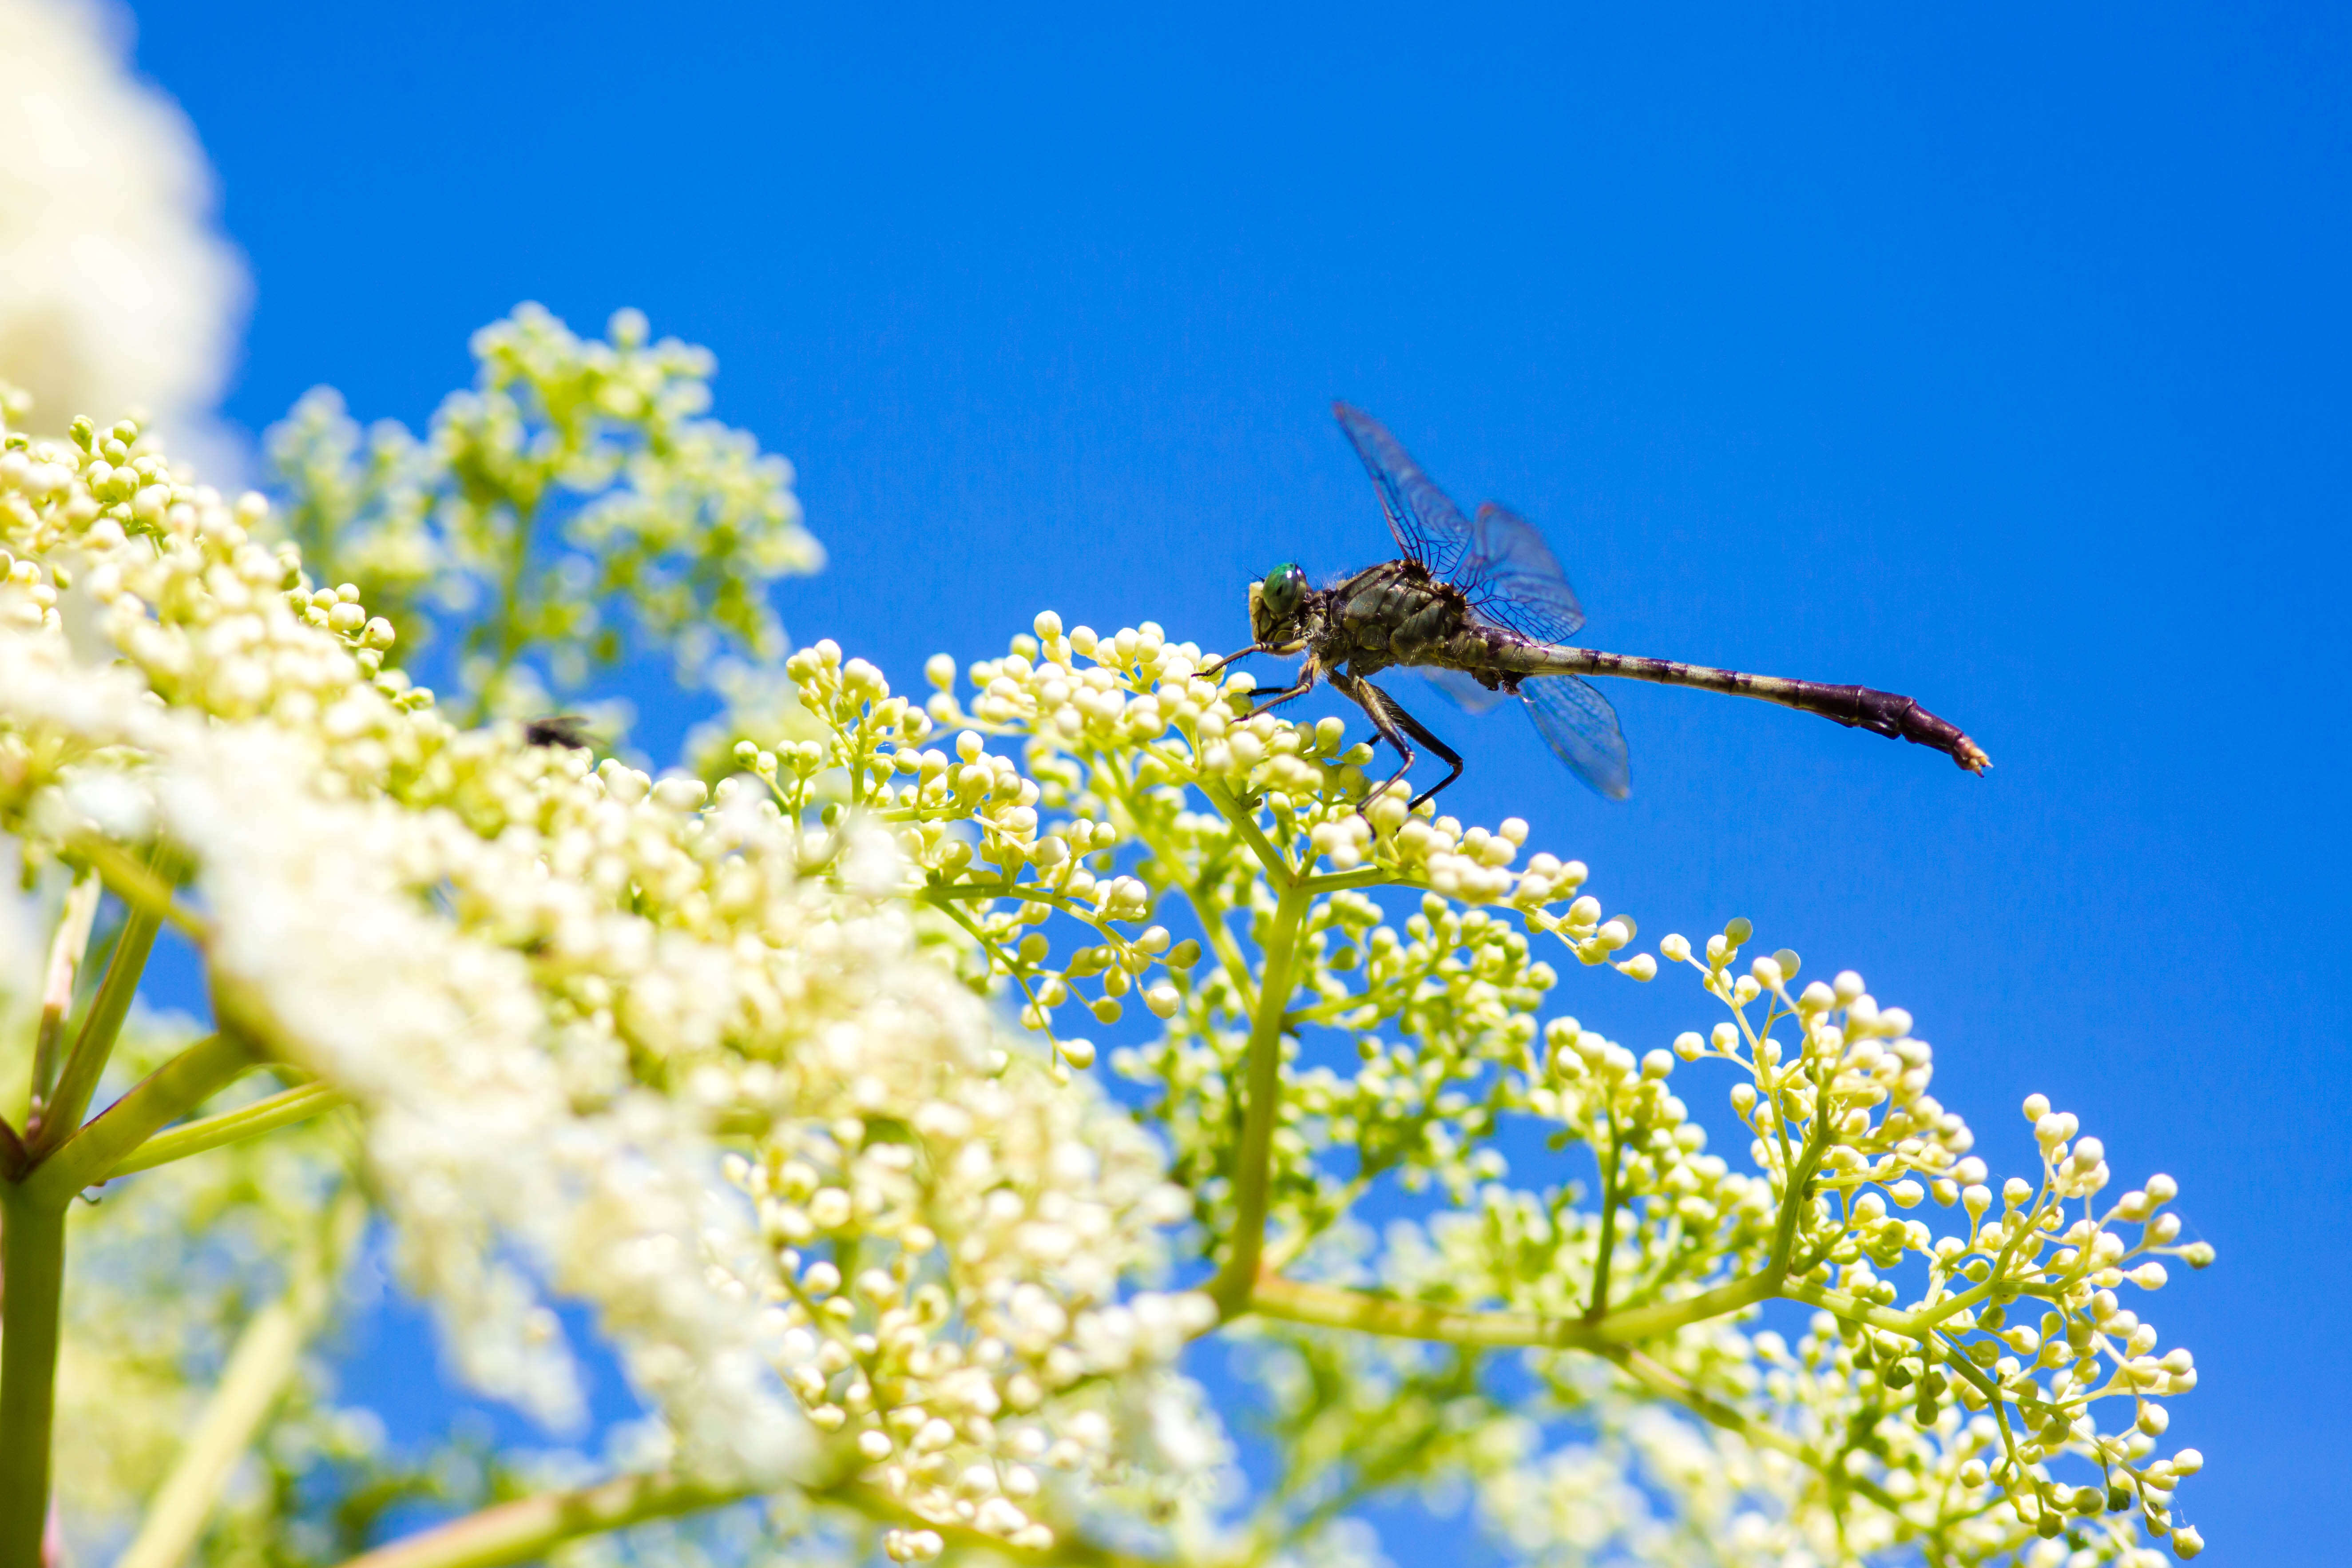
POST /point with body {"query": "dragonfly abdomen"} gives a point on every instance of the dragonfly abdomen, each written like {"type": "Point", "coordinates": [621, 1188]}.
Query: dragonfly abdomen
{"type": "Point", "coordinates": [1887, 714]}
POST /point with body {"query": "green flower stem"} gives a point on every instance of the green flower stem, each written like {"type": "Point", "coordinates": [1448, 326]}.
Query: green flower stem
{"type": "Point", "coordinates": [530, 1527]}
{"type": "Point", "coordinates": [1278, 869]}
{"type": "Point", "coordinates": [281, 1110]}
{"type": "Point", "coordinates": [148, 899]}
{"type": "Point", "coordinates": [33, 1256]}
{"type": "Point", "coordinates": [1331, 1306]}
{"type": "Point", "coordinates": [136, 883]}
{"type": "Point", "coordinates": [1229, 953]}
{"type": "Point", "coordinates": [1069, 1550]}
{"type": "Point", "coordinates": [267, 1357]}
{"type": "Point", "coordinates": [67, 949]}
{"type": "Point", "coordinates": [510, 635]}
{"type": "Point", "coordinates": [77, 1081]}
{"type": "Point", "coordinates": [1607, 1246]}
{"type": "Point", "coordinates": [160, 1098]}
{"type": "Point", "coordinates": [1335, 1307]}
{"type": "Point", "coordinates": [997, 955]}
{"type": "Point", "coordinates": [1251, 1167]}
{"type": "Point", "coordinates": [1660, 1381]}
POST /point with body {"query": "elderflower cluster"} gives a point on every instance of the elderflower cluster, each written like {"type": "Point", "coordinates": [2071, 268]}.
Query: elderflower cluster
{"type": "Point", "coordinates": [783, 1070]}
{"type": "Point", "coordinates": [116, 287]}
{"type": "Point", "coordinates": [555, 991]}
{"type": "Point", "coordinates": [1148, 798]}
{"type": "Point", "coordinates": [571, 508]}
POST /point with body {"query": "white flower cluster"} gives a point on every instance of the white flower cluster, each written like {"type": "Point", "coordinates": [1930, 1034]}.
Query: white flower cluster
{"type": "Point", "coordinates": [722, 1063]}
{"type": "Point", "coordinates": [116, 290]}
{"type": "Point", "coordinates": [987, 1217]}
{"type": "Point", "coordinates": [1921, 1388]}
{"type": "Point", "coordinates": [553, 991]}
{"type": "Point", "coordinates": [570, 510]}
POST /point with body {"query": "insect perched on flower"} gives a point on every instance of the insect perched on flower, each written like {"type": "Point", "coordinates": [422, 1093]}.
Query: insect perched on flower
{"type": "Point", "coordinates": [1481, 606]}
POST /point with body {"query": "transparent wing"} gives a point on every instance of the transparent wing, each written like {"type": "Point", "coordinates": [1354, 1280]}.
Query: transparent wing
{"type": "Point", "coordinates": [1428, 527]}
{"type": "Point", "coordinates": [1579, 725]}
{"type": "Point", "coordinates": [1512, 578]}
{"type": "Point", "coordinates": [1462, 689]}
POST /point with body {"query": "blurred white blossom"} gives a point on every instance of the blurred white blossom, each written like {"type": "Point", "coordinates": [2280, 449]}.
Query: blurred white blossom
{"type": "Point", "coordinates": [117, 289]}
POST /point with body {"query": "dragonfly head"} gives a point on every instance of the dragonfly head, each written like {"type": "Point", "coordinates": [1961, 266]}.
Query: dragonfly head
{"type": "Point", "coordinates": [1277, 606]}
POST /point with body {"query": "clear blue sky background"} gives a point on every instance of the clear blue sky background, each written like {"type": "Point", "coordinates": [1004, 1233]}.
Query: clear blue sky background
{"type": "Point", "coordinates": [1995, 358]}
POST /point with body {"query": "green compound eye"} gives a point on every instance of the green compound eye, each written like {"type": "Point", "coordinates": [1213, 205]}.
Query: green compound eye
{"type": "Point", "coordinates": [1283, 587]}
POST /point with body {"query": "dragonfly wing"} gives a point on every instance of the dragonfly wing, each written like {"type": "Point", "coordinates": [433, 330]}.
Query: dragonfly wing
{"type": "Point", "coordinates": [1462, 689]}
{"type": "Point", "coordinates": [1579, 725]}
{"type": "Point", "coordinates": [1427, 526]}
{"type": "Point", "coordinates": [1512, 578]}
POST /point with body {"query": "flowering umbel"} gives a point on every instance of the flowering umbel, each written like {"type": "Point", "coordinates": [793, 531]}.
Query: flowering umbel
{"type": "Point", "coordinates": [789, 1079]}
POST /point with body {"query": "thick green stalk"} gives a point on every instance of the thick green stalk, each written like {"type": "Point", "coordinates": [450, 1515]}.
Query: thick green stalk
{"type": "Point", "coordinates": [62, 1113]}
{"type": "Point", "coordinates": [1254, 1160]}
{"type": "Point", "coordinates": [160, 1098]}
{"type": "Point", "coordinates": [267, 1115]}
{"type": "Point", "coordinates": [529, 1526]}
{"type": "Point", "coordinates": [267, 1357]}
{"type": "Point", "coordinates": [33, 1255]}
{"type": "Point", "coordinates": [65, 950]}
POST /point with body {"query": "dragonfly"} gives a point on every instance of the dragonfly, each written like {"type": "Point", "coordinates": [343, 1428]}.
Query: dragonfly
{"type": "Point", "coordinates": [1481, 606]}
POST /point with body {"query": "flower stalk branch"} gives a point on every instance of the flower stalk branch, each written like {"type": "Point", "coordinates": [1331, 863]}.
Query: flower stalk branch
{"type": "Point", "coordinates": [58, 1117]}
{"type": "Point", "coordinates": [284, 1108]}
{"type": "Point", "coordinates": [160, 1098]}
{"type": "Point", "coordinates": [267, 1357]}
{"type": "Point", "coordinates": [32, 1268]}
{"type": "Point", "coordinates": [530, 1527]}
{"type": "Point", "coordinates": [1254, 1155]}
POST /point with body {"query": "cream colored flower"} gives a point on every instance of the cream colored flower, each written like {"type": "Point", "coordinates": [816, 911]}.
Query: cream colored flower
{"type": "Point", "coordinates": [117, 289]}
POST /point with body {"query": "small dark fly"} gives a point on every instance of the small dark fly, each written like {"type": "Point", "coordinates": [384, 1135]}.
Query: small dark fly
{"type": "Point", "coordinates": [559, 729]}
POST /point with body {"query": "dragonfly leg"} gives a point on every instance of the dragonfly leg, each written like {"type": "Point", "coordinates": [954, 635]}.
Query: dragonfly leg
{"type": "Point", "coordinates": [1306, 684]}
{"type": "Point", "coordinates": [1414, 728]}
{"type": "Point", "coordinates": [1215, 664]}
{"type": "Point", "coordinates": [1389, 717]}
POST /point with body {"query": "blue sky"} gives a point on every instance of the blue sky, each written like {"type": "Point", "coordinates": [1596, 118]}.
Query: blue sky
{"type": "Point", "coordinates": [1997, 358]}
